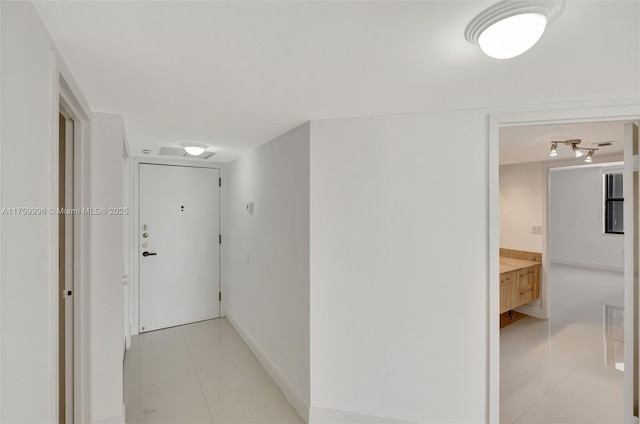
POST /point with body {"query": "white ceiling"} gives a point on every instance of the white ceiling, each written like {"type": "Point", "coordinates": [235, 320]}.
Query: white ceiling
{"type": "Point", "coordinates": [236, 74]}
{"type": "Point", "coordinates": [532, 143]}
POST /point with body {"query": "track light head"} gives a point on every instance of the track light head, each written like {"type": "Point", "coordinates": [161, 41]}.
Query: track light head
{"type": "Point", "coordinates": [577, 151]}
{"type": "Point", "coordinates": [554, 149]}
{"type": "Point", "coordinates": [589, 157]}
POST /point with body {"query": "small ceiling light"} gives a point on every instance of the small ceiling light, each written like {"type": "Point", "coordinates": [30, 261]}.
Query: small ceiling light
{"type": "Point", "coordinates": [589, 157]}
{"type": "Point", "coordinates": [194, 149]}
{"type": "Point", "coordinates": [511, 27]}
{"type": "Point", "coordinates": [577, 151]}
{"type": "Point", "coordinates": [554, 149]}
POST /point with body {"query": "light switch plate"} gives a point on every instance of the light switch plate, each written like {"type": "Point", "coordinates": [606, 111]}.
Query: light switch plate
{"type": "Point", "coordinates": [536, 229]}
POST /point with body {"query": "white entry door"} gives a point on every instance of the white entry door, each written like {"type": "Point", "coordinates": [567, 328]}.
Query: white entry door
{"type": "Point", "coordinates": [178, 245]}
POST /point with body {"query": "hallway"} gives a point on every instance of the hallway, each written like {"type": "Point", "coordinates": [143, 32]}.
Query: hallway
{"type": "Point", "coordinates": [199, 373]}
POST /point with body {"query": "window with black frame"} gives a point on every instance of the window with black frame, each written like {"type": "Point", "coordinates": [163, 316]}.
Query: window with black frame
{"type": "Point", "coordinates": [613, 204]}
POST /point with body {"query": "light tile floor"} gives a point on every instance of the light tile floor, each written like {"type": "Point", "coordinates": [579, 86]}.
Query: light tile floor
{"type": "Point", "coordinates": [199, 373]}
{"type": "Point", "coordinates": [553, 371]}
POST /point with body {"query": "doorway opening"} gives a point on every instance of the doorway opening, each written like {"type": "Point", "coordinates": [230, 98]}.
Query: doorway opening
{"type": "Point", "coordinates": [65, 212]}
{"type": "Point", "coordinates": [522, 380]}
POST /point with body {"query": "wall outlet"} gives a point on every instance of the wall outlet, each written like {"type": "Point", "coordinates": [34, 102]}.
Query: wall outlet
{"type": "Point", "coordinates": [536, 229]}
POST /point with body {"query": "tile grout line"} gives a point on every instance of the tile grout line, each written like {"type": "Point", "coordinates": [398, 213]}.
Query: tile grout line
{"type": "Point", "coordinates": [197, 376]}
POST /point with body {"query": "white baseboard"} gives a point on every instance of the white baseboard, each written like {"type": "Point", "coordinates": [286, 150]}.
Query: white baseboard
{"type": "Point", "coordinates": [117, 419]}
{"type": "Point", "coordinates": [331, 416]}
{"type": "Point", "coordinates": [585, 264]}
{"type": "Point", "coordinates": [293, 396]}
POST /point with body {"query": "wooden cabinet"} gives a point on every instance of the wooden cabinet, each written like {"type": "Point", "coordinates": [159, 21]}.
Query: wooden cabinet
{"type": "Point", "coordinates": [508, 285]}
{"type": "Point", "coordinates": [528, 284]}
{"type": "Point", "coordinates": [520, 273]}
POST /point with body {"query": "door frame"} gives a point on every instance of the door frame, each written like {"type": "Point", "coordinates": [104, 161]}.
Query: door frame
{"type": "Point", "coordinates": [68, 246]}
{"type": "Point", "coordinates": [617, 110]}
{"type": "Point", "coordinates": [126, 234]}
{"type": "Point", "coordinates": [134, 279]}
{"type": "Point", "coordinates": [75, 106]}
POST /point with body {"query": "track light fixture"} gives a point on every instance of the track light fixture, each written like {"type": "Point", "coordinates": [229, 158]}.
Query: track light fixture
{"type": "Point", "coordinates": [577, 151]}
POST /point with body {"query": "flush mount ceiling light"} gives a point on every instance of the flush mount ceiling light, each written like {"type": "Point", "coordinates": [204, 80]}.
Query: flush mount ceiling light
{"type": "Point", "coordinates": [194, 149]}
{"type": "Point", "coordinates": [511, 27]}
{"type": "Point", "coordinates": [578, 151]}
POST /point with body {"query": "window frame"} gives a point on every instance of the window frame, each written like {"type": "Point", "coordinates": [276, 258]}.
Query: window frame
{"type": "Point", "coordinates": [606, 199]}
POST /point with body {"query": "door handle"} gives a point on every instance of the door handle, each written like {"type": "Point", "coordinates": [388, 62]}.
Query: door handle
{"type": "Point", "coordinates": [145, 254]}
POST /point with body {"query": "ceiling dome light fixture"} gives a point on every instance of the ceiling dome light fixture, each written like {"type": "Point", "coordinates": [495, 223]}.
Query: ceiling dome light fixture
{"type": "Point", "coordinates": [194, 149]}
{"type": "Point", "coordinates": [511, 27]}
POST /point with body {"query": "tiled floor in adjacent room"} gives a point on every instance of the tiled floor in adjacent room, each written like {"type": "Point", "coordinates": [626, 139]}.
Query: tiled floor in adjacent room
{"type": "Point", "coordinates": [200, 373]}
{"type": "Point", "coordinates": [553, 371]}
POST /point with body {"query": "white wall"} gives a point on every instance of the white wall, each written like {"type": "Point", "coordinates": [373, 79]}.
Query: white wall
{"type": "Point", "coordinates": [266, 282]}
{"type": "Point", "coordinates": [30, 71]}
{"type": "Point", "coordinates": [521, 205]}
{"type": "Point", "coordinates": [28, 277]}
{"type": "Point", "coordinates": [399, 266]}
{"type": "Point", "coordinates": [576, 221]}
{"type": "Point", "coordinates": [107, 268]}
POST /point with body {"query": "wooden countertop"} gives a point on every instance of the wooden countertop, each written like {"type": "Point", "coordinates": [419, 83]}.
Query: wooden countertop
{"type": "Point", "coordinates": [512, 264]}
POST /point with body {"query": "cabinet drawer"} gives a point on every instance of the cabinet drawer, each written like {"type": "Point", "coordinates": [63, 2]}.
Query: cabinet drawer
{"type": "Point", "coordinates": [508, 287]}
{"type": "Point", "coordinates": [528, 284]}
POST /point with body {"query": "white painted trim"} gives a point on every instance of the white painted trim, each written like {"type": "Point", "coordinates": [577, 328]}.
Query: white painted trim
{"type": "Point", "coordinates": [134, 273]}
{"type": "Point", "coordinates": [587, 264]}
{"type": "Point", "coordinates": [0, 201]}
{"type": "Point", "coordinates": [631, 254]}
{"type": "Point", "coordinates": [127, 228]}
{"type": "Point", "coordinates": [319, 415]}
{"type": "Point", "coordinates": [493, 279]}
{"type": "Point", "coordinates": [71, 98]}
{"type": "Point", "coordinates": [223, 248]}
{"type": "Point", "coordinates": [602, 110]}
{"type": "Point", "coordinates": [53, 240]}
{"type": "Point", "coordinates": [293, 396]}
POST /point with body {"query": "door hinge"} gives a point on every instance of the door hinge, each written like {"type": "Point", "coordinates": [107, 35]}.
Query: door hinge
{"type": "Point", "coordinates": [220, 182]}
{"type": "Point", "coordinates": [219, 296]}
{"type": "Point", "coordinates": [635, 162]}
{"type": "Point", "coordinates": [219, 238]}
